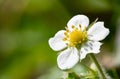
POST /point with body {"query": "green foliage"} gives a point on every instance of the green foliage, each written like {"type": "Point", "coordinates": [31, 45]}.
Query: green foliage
{"type": "Point", "coordinates": [26, 26]}
{"type": "Point", "coordinates": [73, 76]}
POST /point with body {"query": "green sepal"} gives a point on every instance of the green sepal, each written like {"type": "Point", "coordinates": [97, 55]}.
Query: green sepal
{"type": "Point", "coordinates": [92, 23]}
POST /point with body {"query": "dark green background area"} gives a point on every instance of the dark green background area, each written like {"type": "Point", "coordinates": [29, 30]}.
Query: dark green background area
{"type": "Point", "coordinates": [27, 25]}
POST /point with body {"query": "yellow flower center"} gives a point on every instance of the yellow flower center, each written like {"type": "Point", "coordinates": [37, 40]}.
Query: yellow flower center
{"type": "Point", "coordinates": [76, 37]}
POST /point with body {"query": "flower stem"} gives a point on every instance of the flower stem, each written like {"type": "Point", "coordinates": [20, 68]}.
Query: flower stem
{"type": "Point", "coordinates": [97, 65]}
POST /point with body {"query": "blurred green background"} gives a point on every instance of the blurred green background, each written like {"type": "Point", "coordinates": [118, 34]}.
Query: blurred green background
{"type": "Point", "coordinates": [26, 26]}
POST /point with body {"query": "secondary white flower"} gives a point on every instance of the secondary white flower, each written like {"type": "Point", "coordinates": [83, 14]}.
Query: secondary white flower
{"type": "Point", "coordinates": [77, 41]}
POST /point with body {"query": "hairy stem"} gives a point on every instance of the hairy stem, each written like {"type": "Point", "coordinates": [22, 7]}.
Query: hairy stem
{"type": "Point", "coordinates": [92, 56]}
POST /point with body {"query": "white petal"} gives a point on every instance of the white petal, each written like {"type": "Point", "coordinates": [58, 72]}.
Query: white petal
{"type": "Point", "coordinates": [68, 58]}
{"type": "Point", "coordinates": [98, 31]}
{"type": "Point", "coordinates": [57, 43]}
{"type": "Point", "coordinates": [78, 20]}
{"type": "Point", "coordinates": [90, 47]}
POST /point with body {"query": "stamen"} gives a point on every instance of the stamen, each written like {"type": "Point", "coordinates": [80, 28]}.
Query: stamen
{"type": "Point", "coordinates": [67, 30]}
{"type": "Point", "coordinates": [75, 37]}
{"type": "Point", "coordinates": [64, 39]}
{"type": "Point", "coordinates": [80, 26]}
{"type": "Point", "coordinates": [73, 26]}
{"type": "Point", "coordinates": [65, 33]}
{"type": "Point", "coordinates": [67, 44]}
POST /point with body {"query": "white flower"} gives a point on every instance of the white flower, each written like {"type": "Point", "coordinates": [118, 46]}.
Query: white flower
{"type": "Point", "coordinates": [77, 41]}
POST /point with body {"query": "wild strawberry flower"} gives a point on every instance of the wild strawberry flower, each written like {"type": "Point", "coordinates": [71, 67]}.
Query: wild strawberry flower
{"type": "Point", "coordinates": [77, 41]}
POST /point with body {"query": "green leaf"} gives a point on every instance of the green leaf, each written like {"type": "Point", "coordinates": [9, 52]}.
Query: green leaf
{"type": "Point", "coordinates": [73, 75]}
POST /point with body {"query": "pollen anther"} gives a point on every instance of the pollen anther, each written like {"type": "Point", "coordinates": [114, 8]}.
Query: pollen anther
{"type": "Point", "coordinates": [73, 26]}
{"type": "Point", "coordinates": [76, 36]}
